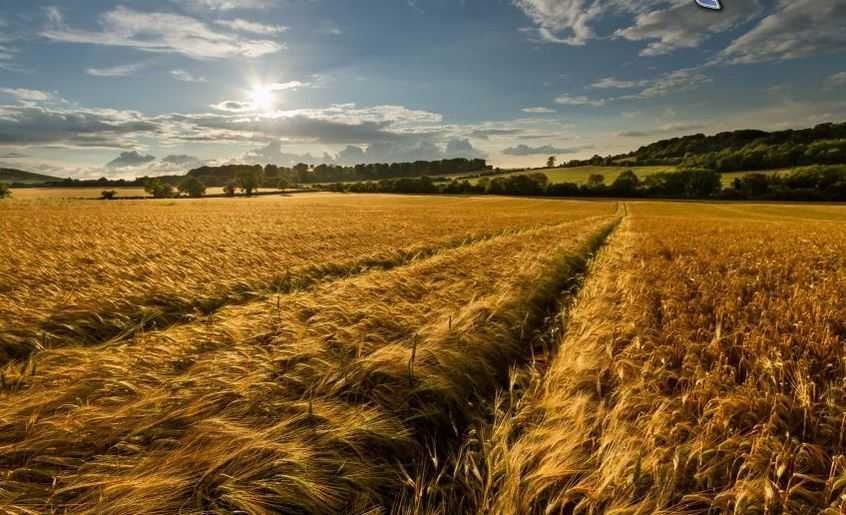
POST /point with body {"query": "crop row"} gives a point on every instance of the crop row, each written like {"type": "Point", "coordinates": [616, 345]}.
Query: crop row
{"type": "Point", "coordinates": [703, 371]}
{"type": "Point", "coordinates": [89, 272]}
{"type": "Point", "coordinates": [309, 401]}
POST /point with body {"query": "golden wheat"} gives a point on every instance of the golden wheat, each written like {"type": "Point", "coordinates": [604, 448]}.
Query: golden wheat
{"type": "Point", "coordinates": [88, 271]}
{"type": "Point", "coordinates": [703, 371]}
{"type": "Point", "coordinates": [307, 401]}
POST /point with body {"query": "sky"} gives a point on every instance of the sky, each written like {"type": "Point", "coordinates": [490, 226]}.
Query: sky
{"type": "Point", "coordinates": [92, 88]}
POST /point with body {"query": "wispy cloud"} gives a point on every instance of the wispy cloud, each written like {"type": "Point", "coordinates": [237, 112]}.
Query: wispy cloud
{"type": "Point", "coordinates": [225, 5]}
{"type": "Point", "coordinates": [251, 26]}
{"type": "Point", "coordinates": [185, 76]}
{"type": "Point", "coordinates": [611, 82]}
{"type": "Point", "coordinates": [838, 80]}
{"type": "Point", "coordinates": [27, 95]}
{"type": "Point", "coordinates": [799, 28]}
{"type": "Point", "coordinates": [683, 26]}
{"type": "Point", "coordinates": [685, 79]}
{"type": "Point", "coordinates": [538, 110]}
{"type": "Point", "coordinates": [562, 21]}
{"type": "Point", "coordinates": [159, 32]}
{"type": "Point", "coordinates": [525, 150]}
{"type": "Point", "coordinates": [123, 70]}
{"type": "Point", "coordinates": [580, 100]}
{"type": "Point", "coordinates": [667, 129]}
{"type": "Point", "coordinates": [290, 85]}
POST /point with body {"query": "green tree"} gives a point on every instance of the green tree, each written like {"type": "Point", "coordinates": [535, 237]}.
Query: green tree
{"type": "Point", "coordinates": [282, 184]}
{"type": "Point", "coordinates": [4, 190]}
{"type": "Point", "coordinates": [550, 163]}
{"type": "Point", "coordinates": [192, 187]}
{"type": "Point", "coordinates": [595, 181]}
{"type": "Point", "coordinates": [249, 179]}
{"type": "Point", "coordinates": [158, 188]}
{"type": "Point", "coordinates": [626, 183]}
{"type": "Point", "coordinates": [229, 188]}
{"type": "Point", "coordinates": [108, 194]}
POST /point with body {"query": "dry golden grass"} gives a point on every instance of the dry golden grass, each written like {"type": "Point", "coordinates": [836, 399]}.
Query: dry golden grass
{"type": "Point", "coordinates": [378, 354]}
{"type": "Point", "coordinates": [310, 401]}
{"type": "Point", "coordinates": [702, 372]}
{"type": "Point", "coordinates": [85, 272]}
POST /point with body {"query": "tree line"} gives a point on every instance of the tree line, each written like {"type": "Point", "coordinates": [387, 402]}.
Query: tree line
{"type": "Point", "coordinates": [303, 173]}
{"type": "Point", "coordinates": [824, 183]}
{"type": "Point", "coordinates": [739, 150]}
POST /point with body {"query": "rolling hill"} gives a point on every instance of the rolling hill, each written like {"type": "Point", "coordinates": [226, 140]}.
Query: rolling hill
{"type": "Point", "coordinates": [12, 175]}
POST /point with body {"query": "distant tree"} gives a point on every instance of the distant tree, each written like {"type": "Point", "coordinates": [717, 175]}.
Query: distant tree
{"type": "Point", "coordinates": [158, 188]}
{"type": "Point", "coordinates": [192, 187]}
{"type": "Point", "coordinates": [249, 179]}
{"type": "Point", "coordinates": [595, 181]}
{"type": "Point", "coordinates": [752, 185]}
{"type": "Point", "coordinates": [229, 188]}
{"type": "Point", "coordinates": [550, 163]}
{"type": "Point", "coordinates": [626, 184]}
{"type": "Point", "coordinates": [108, 194]}
{"type": "Point", "coordinates": [282, 184]}
{"type": "Point", "coordinates": [4, 190]}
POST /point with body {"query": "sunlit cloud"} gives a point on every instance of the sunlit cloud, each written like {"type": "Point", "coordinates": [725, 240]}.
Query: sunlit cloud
{"type": "Point", "coordinates": [159, 32]}
{"type": "Point", "coordinates": [185, 76]}
{"type": "Point", "coordinates": [123, 70]}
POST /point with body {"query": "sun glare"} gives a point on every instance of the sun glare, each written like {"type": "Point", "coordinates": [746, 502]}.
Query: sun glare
{"type": "Point", "coordinates": [262, 98]}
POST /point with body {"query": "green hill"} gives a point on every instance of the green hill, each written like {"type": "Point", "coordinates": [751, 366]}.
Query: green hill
{"type": "Point", "coordinates": [11, 175]}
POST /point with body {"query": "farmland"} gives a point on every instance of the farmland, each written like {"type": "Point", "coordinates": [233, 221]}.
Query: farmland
{"type": "Point", "coordinates": [580, 174]}
{"type": "Point", "coordinates": [332, 353]}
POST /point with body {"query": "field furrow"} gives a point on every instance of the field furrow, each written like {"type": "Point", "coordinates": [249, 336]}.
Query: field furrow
{"type": "Point", "coordinates": [86, 274]}
{"type": "Point", "coordinates": [705, 374]}
{"type": "Point", "coordinates": [310, 401]}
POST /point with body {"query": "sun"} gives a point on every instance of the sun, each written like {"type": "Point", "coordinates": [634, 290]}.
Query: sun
{"type": "Point", "coordinates": [262, 98]}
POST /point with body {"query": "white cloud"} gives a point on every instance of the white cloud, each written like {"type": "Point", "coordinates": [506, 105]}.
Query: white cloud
{"type": "Point", "coordinates": [159, 32]}
{"type": "Point", "coordinates": [538, 110]}
{"type": "Point", "coordinates": [234, 106]}
{"type": "Point", "coordinates": [225, 5]}
{"type": "Point", "coordinates": [123, 70]}
{"type": "Point", "coordinates": [290, 85]}
{"type": "Point", "coordinates": [610, 82]}
{"type": "Point", "coordinates": [798, 28]}
{"type": "Point", "coordinates": [251, 26]}
{"type": "Point", "coordinates": [525, 150]}
{"type": "Point", "coordinates": [580, 101]}
{"type": "Point", "coordinates": [838, 80]}
{"type": "Point", "coordinates": [185, 76]}
{"type": "Point", "coordinates": [6, 53]}
{"type": "Point", "coordinates": [683, 26]}
{"type": "Point", "coordinates": [685, 79]}
{"type": "Point", "coordinates": [562, 21]}
{"type": "Point", "coordinates": [27, 95]}
{"type": "Point", "coordinates": [130, 159]}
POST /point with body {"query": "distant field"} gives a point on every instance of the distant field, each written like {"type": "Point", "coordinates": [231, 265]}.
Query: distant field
{"type": "Point", "coordinates": [343, 353]}
{"type": "Point", "coordinates": [71, 193]}
{"type": "Point", "coordinates": [580, 174]}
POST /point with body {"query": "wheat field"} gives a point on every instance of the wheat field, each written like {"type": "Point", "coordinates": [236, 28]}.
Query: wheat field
{"type": "Point", "coordinates": [373, 354]}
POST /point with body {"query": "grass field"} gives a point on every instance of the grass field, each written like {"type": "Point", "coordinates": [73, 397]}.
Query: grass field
{"type": "Point", "coordinates": [580, 174]}
{"type": "Point", "coordinates": [399, 354]}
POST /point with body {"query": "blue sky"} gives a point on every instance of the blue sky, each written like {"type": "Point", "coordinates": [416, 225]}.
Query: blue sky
{"type": "Point", "coordinates": [95, 87]}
